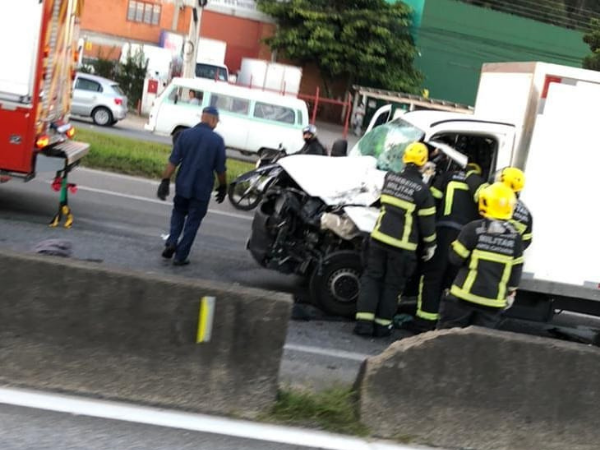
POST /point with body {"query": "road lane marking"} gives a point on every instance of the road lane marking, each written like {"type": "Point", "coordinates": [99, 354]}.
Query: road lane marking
{"type": "Point", "coordinates": [202, 423]}
{"type": "Point", "coordinates": [332, 353]}
{"type": "Point", "coordinates": [151, 200]}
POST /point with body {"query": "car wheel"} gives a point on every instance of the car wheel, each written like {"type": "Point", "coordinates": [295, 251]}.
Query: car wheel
{"type": "Point", "coordinates": [102, 116]}
{"type": "Point", "coordinates": [335, 284]}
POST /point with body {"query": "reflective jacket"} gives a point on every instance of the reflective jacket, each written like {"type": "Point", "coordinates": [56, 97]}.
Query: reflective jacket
{"type": "Point", "coordinates": [407, 213]}
{"type": "Point", "coordinates": [490, 255]}
{"type": "Point", "coordinates": [456, 193]}
{"type": "Point", "coordinates": [523, 222]}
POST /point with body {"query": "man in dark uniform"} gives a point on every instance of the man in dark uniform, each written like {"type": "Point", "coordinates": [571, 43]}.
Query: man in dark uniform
{"type": "Point", "coordinates": [407, 218]}
{"type": "Point", "coordinates": [312, 145]}
{"type": "Point", "coordinates": [199, 152]}
{"type": "Point", "coordinates": [522, 219]}
{"type": "Point", "coordinates": [489, 253]}
{"type": "Point", "coordinates": [455, 192]}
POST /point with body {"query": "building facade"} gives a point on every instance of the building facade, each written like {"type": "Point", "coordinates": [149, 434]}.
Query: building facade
{"type": "Point", "coordinates": [108, 24]}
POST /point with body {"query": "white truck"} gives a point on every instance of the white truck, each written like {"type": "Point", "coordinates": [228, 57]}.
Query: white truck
{"type": "Point", "coordinates": [210, 60]}
{"type": "Point", "coordinates": [267, 75]}
{"type": "Point", "coordinates": [537, 116]}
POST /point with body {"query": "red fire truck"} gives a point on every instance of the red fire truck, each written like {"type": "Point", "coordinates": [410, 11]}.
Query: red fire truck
{"type": "Point", "coordinates": [38, 58]}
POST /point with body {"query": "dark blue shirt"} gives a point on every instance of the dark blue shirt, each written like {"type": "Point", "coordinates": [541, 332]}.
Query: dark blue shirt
{"type": "Point", "coordinates": [199, 152]}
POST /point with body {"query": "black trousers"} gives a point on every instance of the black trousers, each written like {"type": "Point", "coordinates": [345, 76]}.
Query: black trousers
{"type": "Point", "coordinates": [437, 275]}
{"type": "Point", "coordinates": [457, 313]}
{"type": "Point", "coordinates": [383, 279]}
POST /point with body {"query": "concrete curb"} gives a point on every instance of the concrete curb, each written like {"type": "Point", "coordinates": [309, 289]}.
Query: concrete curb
{"type": "Point", "coordinates": [484, 389]}
{"type": "Point", "coordinates": [75, 327]}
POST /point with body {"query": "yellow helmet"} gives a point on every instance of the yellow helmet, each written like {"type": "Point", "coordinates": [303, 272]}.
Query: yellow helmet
{"type": "Point", "coordinates": [497, 201]}
{"type": "Point", "coordinates": [512, 177]}
{"type": "Point", "coordinates": [415, 153]}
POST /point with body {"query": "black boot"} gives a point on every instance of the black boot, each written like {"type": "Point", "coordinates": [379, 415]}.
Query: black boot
{"type": "Point", "coordinates": [168, 252]}
{"type": "Point", "coordinates": [363, 328]}
{"type": "Point", "coordinates": [382, 331]}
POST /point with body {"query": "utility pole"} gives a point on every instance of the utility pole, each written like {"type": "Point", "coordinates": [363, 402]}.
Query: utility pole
{"type": "Point", "coordinates": [190, 47]}
{"type": "Point", "coordinates": [177, 5]}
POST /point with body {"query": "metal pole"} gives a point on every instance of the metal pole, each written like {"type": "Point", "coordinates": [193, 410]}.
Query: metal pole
{"type": "Point", "coordinates": [348, 105]}
{"type": "Point", "coordinates": [177, 6]}
{"type": "Point", "coordinates": [314, 114]}
{"type": "Point", "coordinates": [190, 49]}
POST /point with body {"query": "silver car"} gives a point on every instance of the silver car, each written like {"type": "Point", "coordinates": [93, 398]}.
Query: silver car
{"type": "Point", "coordinates": [98, 98]}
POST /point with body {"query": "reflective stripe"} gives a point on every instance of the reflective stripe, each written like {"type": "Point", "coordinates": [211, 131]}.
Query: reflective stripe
{"type": "Point", "coordinates": [520, 260]}
{"type": "Point", "coordinates": [453, 186]}
{"type": "Point", "coordinates": [420, 313]}
{"type": "Point", "coordinates": [484, 301]}
{"type": "Point", "coordinates": [365, 316]}
{"type": "Point", "coordinates": [436, 193]}
{"type": "Point", "coordinates": [427, 212]}
{"type": "Point", "coordinates": [528, 236]}
{"type": "Point", "coordinates": [398, 202]}
{"type": "Point", "coordinates": [460, 249]}
{"type": "Point", "coordinates": [521, 227]}
{"type": "Point", "coordinates": [378, 235]}
{"type": "Point", "coordinates": [429, 239]}
{"type": "Point", "coordinates": [383, 322]}
{"type": "Point", "coordinates": [404, 242]}
{"type": "Point", "coordinates": [465, 293]}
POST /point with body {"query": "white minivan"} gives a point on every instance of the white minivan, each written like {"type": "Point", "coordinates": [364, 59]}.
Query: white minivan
{"type": "Point", "coordinates": [250, 120]}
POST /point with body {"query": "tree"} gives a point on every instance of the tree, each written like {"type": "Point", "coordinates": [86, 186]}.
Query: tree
{"type": "Point", "coordinates": [131, 75]}
{"type": "Point", "coordinates": [592, 38]}
{"type": "Point", "coordinates": [363, 41]}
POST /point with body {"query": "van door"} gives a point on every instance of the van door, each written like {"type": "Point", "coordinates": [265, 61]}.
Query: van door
{"type": "Point", "coordinates": [234, 123]}
{"type": "Point", "coordinates": [179, 107]}
{"type": "Point", "coordinates": [381, 116]}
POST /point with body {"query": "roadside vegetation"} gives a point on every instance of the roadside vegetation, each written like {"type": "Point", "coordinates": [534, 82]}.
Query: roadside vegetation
{"type": "Point", "coordinates": [331, 410]}
{"type": "Point", "coordinates": [131, 157]}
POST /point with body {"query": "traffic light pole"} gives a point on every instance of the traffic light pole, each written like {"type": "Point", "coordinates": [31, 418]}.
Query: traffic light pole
{"type": "Point", "coordinates": [190, 48]}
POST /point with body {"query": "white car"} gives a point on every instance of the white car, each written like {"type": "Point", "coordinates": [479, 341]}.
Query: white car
{"type": "Point", "coordinates": [99, 98]}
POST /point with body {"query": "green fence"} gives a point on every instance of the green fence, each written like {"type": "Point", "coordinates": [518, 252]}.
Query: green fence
{"type": "Point", "coordinates": [455, 39]}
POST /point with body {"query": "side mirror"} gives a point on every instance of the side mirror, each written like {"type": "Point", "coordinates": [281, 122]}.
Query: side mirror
{"type": "Point", "coordinates": [339, 148]}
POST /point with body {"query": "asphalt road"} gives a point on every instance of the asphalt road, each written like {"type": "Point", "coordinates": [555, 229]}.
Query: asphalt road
{"type": "Point", "coordinates": [119, 223]}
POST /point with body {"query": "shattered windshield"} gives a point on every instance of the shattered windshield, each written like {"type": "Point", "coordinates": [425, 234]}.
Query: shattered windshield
{"type": "Point", "coordinates": [387, 143]}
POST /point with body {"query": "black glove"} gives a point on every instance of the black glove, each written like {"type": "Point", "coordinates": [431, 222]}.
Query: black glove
{"type": "Point", "coordinates": [221, 193]}
{"type": "Point", "coordinates": [163, 189]}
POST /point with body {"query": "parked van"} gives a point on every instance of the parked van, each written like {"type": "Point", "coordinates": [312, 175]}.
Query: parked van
{"type": "Point", "coordinates": [250, 120]}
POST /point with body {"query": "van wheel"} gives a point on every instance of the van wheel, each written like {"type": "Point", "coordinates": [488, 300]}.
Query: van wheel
{"type": "Point", "coordinates": [176, 133]}
{"type": "Point", "coordinates": [334, 286]}
{"type": "Point", "coordinates": [102, 116]}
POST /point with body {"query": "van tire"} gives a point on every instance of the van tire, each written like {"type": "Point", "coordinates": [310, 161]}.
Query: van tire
{"type": "Point", "coordinates": [102, 116]}
{"type": "Point", "coordinates": [335, 284]}
{"type": "Point", "coordinates": [175, 134]}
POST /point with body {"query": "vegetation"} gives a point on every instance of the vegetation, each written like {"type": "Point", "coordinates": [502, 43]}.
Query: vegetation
{"type": "Point", "coordinates": [592, 38]}
{"type": "Point", "coordinates": [131, 157]}
{"type": "Point", "coordinates": [363, 41]}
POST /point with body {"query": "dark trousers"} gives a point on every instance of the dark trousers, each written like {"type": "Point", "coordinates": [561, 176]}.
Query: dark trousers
{"type": "Point", "coordinates": [186, 217]}
{"type": "Point", "coordinates": [457, 313]}
{"type": "Point", "coordinates": [384, 277]}
{"type": "Point", "coordinates": [438, 275]}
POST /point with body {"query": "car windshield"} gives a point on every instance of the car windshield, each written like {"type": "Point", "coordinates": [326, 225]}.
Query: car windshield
{"type": "Point", "coordinates": [387, 143]}
{"type": "Point", "coordinates": [211, 72]}
{"type": "Point", "coordinates": [117, 89]}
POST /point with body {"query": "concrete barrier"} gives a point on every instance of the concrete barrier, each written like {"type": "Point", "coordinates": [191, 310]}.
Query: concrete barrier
{"type": "Point", "coordinates": [484, 389]}
{"type": "Point", "coordinates": [77, 327]}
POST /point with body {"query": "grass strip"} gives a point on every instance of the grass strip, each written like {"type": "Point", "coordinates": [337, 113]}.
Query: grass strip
{"type": "Point", "coordinates": [331, 410]}
{"type": "Point", "coordinates": [133, 157]}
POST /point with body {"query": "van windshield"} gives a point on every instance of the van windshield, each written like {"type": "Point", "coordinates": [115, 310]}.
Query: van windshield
{"type": "Point", "coordinates": [210, 71]}
{"type": "Point", "coordinates": [387, 143]}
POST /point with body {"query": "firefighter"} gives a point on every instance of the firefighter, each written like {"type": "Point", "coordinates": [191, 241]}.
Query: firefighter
{"type": "Point", "coordinates": [522, 219]}
{"type": "Point", "coordinates": [455, 192]}
{"type": "Point", "coordinates": [407, 217]}
{"type": "Point", "coordinates": [489, 253]}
